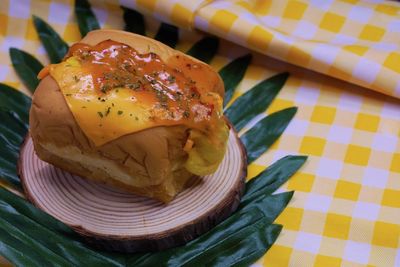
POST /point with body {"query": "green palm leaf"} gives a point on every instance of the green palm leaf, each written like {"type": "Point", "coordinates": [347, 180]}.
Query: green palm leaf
{"type": "Point", "coordinates": [55, 47]}
{"type": "Point", "coordinates": [8, 170]}
{"type": "Point", "coordinates": [12, 129]}
{"type": "Point", "coordinates": [24, 240]}
{"type": "Point", "coordinates": [87, 21]}
{"type": "Point", "coordinates": [255, 101]}
{"type": "Point", "coordinates": [266, 209]}
{"type": "Point", "coordinates": [262, 135]}
{"type": "Point", "coordinates": [49, 241]}
{"type": "Point", "coordinates": [11, 99]}
{"type": "Point", "coordinates": [205, 49]}
{"type": "Point", "coordinates": [232, 74]}
{"type": "Point", "coordinates": [134, 21]}
{"type": "Point", "coordinates": [252, 209]}
{"type": "Point", "coordinates": [272, 178]}
{"type": "Point", "coordinates": [270, 205]}
{"type": "Point", "coordinates": [232, 248]}
{"type": "Point", "coordinates": [26, 66]}
{"type": "Point", "coordinates": [249, 249]}
{"type": "Point", "coordinates": [19, 253]}
{"type": "Point", "coordinates": [12, 132]}
{"type": "Point", "coordinates": [181, 255]}
{"type": "Point", "coordinates": [28, 210]}
{"type": "Point", "coordinates": [167, 34]}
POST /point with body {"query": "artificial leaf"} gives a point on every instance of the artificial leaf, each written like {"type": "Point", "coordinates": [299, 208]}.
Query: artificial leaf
{"type": "Point", "coordinates": [270, 205]}
{"type": "Point", "coordinates": [255, 101]}
{"type": "Point", "coordinates": [262, 135]}
{"type": "Point", "coordinates": [12, 99]}
{"type": "Point", "coordinates": [134, 21]}
{"type": "Point", "coordinates": [12, 129]}
{"type": "Point", "coordinates": [205, 49]}
{"type": "Point", "coordinates": [87, 20]}
{"type": "Point", "coordinates": [43, 255]}
{"type": "Point", "coordinates": [272, 178]}
{"type": "Point", "coordinates": [232, 74]}
{"type": "Point", "coordinates": [218, 252]}
{"type": "Point", "coordinates": [35, 214]}
{"type": "Point", "coordinates": [42, 237]}
{"type": "Point", "coordinates": [180, 255]}
{"type": "Point", "coordinates": [267, 208]}
{"type": "Point", "coordinates": [167, 34]}
{"type": "Point", "coordinates": [17, 252]}
{"type": "Point", "coordinates": [248, 250]}
{"type": "Point", "coordinates": [26, 66]}
{"type": "Point", "coordinates": [8, 168]}
{"type": "Point", "coordinates": [55, 47]}
{"type": "Point", "coordinates": [12, 132]}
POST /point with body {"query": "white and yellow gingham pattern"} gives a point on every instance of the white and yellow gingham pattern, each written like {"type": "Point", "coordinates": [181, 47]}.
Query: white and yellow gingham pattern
{"type": "Point", "coordinates": [180, 13]}
{"type": "Point", "coordinates": [346, 209]}
{"type": "Point", "coordinates": [357, 41]}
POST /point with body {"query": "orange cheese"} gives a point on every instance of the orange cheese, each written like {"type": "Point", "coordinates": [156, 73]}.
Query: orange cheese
{"type": "Point", "coordinates": [112, 91]}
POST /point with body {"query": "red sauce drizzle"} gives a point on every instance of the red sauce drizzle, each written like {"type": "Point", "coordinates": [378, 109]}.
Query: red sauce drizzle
{"type": "Point", "coordinates": [115, 65]}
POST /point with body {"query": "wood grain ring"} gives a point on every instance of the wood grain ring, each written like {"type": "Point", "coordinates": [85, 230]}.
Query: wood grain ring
{"type": "Point", "coordinates": [114, 220]}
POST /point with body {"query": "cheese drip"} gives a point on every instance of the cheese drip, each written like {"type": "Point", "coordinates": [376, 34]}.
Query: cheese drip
{"type": "Point", "coordinates": [112, 90]}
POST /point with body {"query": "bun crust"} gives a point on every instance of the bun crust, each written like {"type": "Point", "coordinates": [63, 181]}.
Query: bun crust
{"type": "Point", "coordinates": [149, 162]}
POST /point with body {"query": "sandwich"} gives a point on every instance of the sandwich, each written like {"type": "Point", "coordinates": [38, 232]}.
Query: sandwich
{"type": "Point", "coordinates": [130, 112]}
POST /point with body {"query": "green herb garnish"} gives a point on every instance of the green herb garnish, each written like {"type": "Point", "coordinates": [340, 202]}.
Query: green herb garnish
{"type": "Point", "coordinates": [133, 86]}
{"type": "Point", "coordinates": [108, 111]}
{"type": "Point", "coordinates": [104, 88]}
{"type": "Point", "coordinates": [171, 79]}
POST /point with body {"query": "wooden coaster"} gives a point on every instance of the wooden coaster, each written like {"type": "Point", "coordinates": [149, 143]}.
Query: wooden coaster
{"type": "Point", "coordinates": [115, 220]}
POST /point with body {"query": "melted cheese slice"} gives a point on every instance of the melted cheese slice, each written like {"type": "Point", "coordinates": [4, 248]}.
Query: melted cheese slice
{"type": "Point", "coordinates": [104, 118]}
{"type": "Point", "coordinates": [121, 111]}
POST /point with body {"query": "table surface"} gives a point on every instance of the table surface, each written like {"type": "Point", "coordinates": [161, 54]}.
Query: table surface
{"type": "Point", "coordinates": [346, 207]}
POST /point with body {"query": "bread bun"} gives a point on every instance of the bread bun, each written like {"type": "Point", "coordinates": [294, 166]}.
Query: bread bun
{"type": "Point", "coordinates": [150, 162]}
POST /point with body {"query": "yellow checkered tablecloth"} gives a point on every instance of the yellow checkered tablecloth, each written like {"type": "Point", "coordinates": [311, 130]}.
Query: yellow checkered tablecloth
{"type": "Point", "coordinates": [346, 210]}
{"type": "Point", "coordinates": [353, 40]}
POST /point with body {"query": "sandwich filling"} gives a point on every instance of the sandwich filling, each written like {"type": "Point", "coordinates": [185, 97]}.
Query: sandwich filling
{"type": "Point", "coordinates": [112, 90]}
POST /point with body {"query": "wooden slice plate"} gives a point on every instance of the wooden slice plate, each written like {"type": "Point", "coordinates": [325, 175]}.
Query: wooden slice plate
{"type": "Point", "coordinates": [115, 220]}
